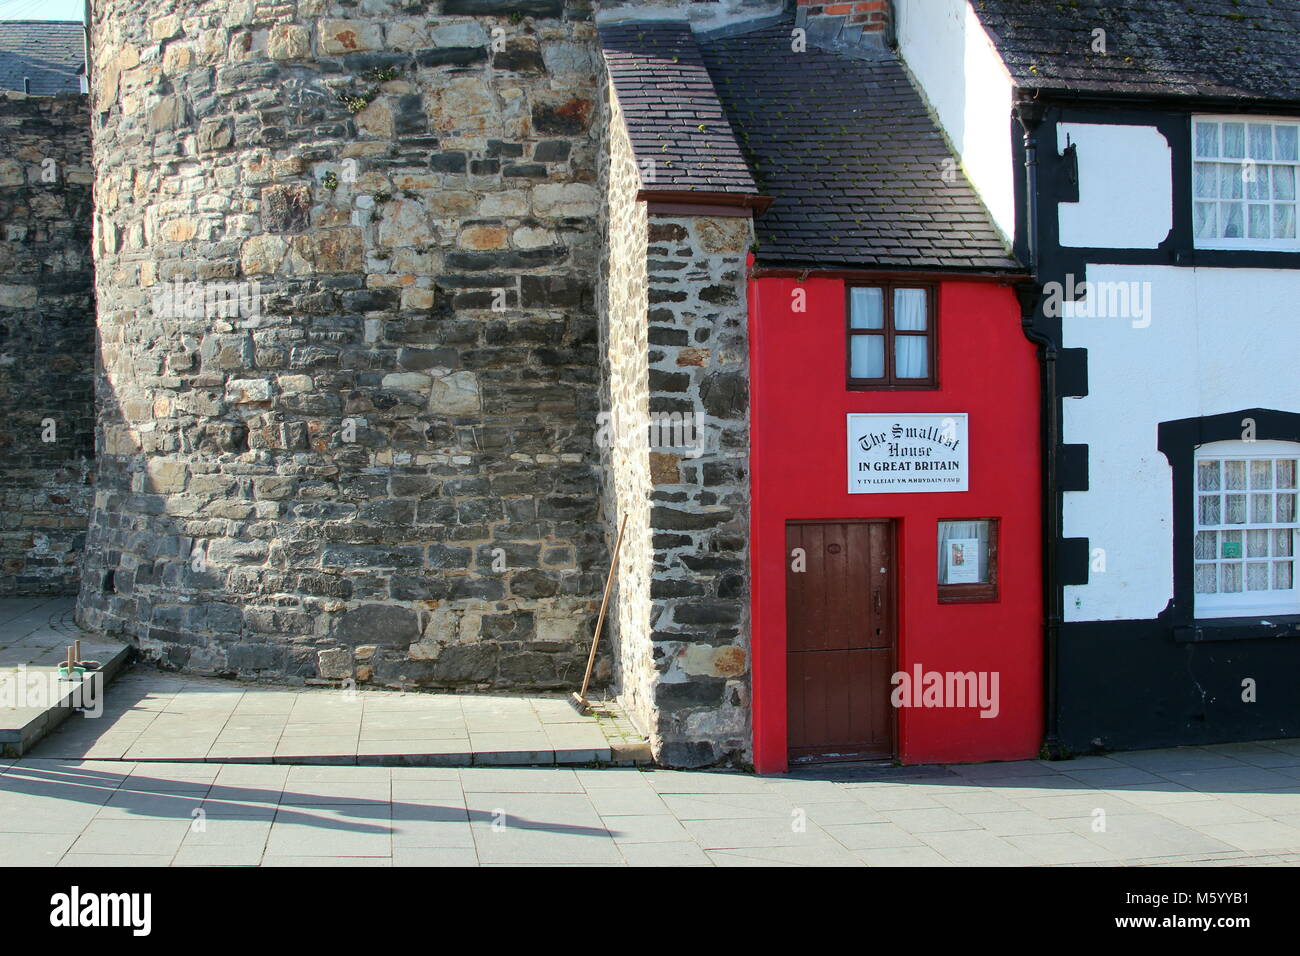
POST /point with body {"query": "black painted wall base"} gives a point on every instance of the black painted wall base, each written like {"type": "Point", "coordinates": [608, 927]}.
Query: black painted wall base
{"type": "Point", "coordinates": [1130, 685]}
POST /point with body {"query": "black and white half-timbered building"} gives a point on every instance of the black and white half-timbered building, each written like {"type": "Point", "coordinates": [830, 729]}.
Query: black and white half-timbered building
{"type": "Point", "coordinates": [1143, 156]}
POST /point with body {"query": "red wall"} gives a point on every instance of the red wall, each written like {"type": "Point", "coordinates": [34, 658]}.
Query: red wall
{"type": "Point", "coordinates": [988, 370]}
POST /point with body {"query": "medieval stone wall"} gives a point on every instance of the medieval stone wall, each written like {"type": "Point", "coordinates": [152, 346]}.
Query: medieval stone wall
{"type": "Point", "coordinates": [624, 437]}
{"type": "Point", "coordinates": [380, 462]}
{"type": "Point", "coordinates": [47, 341]}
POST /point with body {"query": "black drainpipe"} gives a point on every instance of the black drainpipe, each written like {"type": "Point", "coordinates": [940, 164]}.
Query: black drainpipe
{"type": "Point", "coordinates": [1030, 114]}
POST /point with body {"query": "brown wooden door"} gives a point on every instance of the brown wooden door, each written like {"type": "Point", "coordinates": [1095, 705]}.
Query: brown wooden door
{"type": "Point", "coordinates": [840, 640]}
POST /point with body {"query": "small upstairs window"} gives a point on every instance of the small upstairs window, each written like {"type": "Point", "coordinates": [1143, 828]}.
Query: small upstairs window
{"type": "Point", "coordinates": [1244, 174]}
{"type": "Point", "coordinates": [891, 336]}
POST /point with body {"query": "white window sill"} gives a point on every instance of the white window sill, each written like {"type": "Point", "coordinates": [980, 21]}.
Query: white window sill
{"type": "Point", "coordinates": [1230, 246]}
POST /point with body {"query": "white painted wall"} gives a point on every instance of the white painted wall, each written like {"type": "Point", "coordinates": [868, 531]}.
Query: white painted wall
{"type": "Point", "coordinates": [1125, 187]}
{"type": "Point", "coordinates": [1219, 340]}
{"type": "Point", "coordinates": [968, 89]}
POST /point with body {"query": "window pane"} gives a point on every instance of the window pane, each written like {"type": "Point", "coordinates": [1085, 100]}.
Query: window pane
{"type": "Point", "coordinates": [1207, 476]}
{"type": "Point", "coordinates": [1230, 577]}
{"type": "Point", "coordinates": [1261, 509]}
{"type": "Point", "coordinates": [1207, 139]}
{"type": "Point", "coordinates": [1286, 473]}
{"type": "Point", "coordinates": [1284, 182]}
{"type": "Point", "coordinates": [1282, 544]}
{"type": "Point", "coordinates": [1257, 576]}
{"type": "Point", "coordinates": [1282, 572]}
{"type": "Point", "coordinates": [1261, 141]}
{"type": "Point", "coordinates": [1234, 140]}
{"type": "Point", "coordinates": [867, 356]}
{"type": "Point", "coordinates": [1230, 182]}
{"type": "Point", "coordinates": [1207, 578]}
{"type": "Point", "coordinates": [1235, 473]}
{"type": "Point", "coordinates": [1210, 510]}
{"type": "Point", "coordinates": [867, 309]}
{"type": "Point", "coordinates": [1286, 143]}
{"type": "Point", "coordinates": [1257, 544]}
{"type": "Point", "coordinates": [909, 310]}
{"type": "Point", "coordinates": [1285, 509]}
{"type": "Point", "coordinates": [1206, 542]}
{"type": "Point", "coordinates": [911, 356]}
{"type": "Point", "coordinates": [1284, 222]}
{"type": "Point", "coordinates": [1256, 180]}
{"type": "Point", "coordinates": [1206, 179]}
{"type": "Point", "coordinates": [1234, 507]}
{"type": "Point", "coordinates": [1259, 221]}
{"type": "Point", "coordinates": [1230, 220]}
{"type": "Point", "coordinates": [964, 552]}
{"type": "Point", "coordinates": [1230, 544]}
{"type": "Point", "coordinates": [1206, 220]}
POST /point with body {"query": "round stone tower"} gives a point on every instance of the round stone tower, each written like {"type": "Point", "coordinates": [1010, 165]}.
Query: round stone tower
{"type": "Point", "coordinates": [347, 342]}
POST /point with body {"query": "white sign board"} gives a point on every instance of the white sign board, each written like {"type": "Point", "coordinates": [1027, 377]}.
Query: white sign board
{"type": "Point", "coordinates": [902, 453]}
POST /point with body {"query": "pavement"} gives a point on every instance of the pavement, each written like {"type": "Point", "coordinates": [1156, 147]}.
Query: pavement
{"type": "Point", "coordinates": [1225, 805]}
{"type": "Point", "coordinates": [151, 715]}
{"type": "Point", "coordinates": [182, 771]}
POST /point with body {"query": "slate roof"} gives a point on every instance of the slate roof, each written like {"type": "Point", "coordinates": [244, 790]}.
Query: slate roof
{"type": "Point", "coordinates": [1219, 48]}
{"type": "Point", "coordinates": [51, 53]}
{"type": "Point", "coordinates": [861, 175]}
{"type": "Point", "coordinates": [671, 111]}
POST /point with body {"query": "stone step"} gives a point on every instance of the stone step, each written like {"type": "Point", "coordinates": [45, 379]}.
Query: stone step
{"type": "Point", "coordinates": [34, 700]}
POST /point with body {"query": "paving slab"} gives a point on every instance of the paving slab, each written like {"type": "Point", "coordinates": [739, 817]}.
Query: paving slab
{"type": "Point", "coordinates": [152, 716]}
{"type": "Point", "coordinates": [181, 813]}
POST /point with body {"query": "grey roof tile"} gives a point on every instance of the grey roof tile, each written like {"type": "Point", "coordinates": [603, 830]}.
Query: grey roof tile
{"type": "Point", "coordinates": [50, 53]}
{"type": "Point", "coordinates": [1246, 49]}
{"type": "Point", "coordinates": [859, 172]}
{"type": "Point", "coordinates": [671, 110]}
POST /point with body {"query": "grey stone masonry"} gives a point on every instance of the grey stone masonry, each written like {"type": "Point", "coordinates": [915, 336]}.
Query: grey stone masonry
{"type": "Point", "coordinates": [674, 440]}
{"type": "Point", "coordinates": [698, 363]}
{"type": "Point", "coordinates": [345, 259]}
{"type": "Point", "coordinates": [47, 341]}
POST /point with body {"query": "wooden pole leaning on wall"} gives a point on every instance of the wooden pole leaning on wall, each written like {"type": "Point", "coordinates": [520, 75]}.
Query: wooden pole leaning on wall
{"type": "Point", "coordinates": [579, 700]}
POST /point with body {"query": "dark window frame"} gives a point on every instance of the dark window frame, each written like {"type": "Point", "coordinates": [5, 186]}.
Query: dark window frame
{"type": "Point", "coordinates": [985, 591]}
{"type": "Point", "coordinates": [890, 382]}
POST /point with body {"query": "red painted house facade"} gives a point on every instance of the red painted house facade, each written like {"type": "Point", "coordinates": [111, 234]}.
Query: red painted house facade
{"type": "Point", "coordinates": [887, 605]}
{"type": "Point", "coordinates": [895, 449]}
{"type": "Point", "coordinates": [800, 401]}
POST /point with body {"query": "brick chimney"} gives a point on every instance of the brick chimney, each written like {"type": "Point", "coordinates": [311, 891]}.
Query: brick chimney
{"type": "Point", "coordinates": [851, 24]}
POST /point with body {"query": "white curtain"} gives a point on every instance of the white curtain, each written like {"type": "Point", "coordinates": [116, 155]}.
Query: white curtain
{"type": "Point", "coordinates": [868, 356]}
{"type": "Point", "coordinates": [911, 357]}
{"type": "Point", "coordinates": [911, 352]}
{"type": "Point", "coordinates": [868, 309]}
{"type": "Point", "coordinates": [949, 530]}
